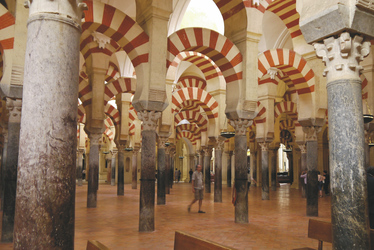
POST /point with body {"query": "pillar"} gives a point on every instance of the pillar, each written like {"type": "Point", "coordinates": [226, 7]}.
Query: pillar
{"type": "Point", "coordinates": [254, 167]}
{"type": "Point", "coordinates": [93, 169]}
{"type": "Point", "coordinates": [273, 166]}
{"type": "Point", "coordinates": [167, 169]}
{"type": "Point", "coordinates": [201, 158]}
{"type": "Point", "coordinates": [312, 164]}
{"type": "Point", "coordinates": [241, 208]}
{"type": "Point", "coordinates": [161, 197]}
{"type": "Point", "coordinates": [229, 155]}
{"type": "Point", "coordinates": [3, 164]}
{"type": "Point", "coordinates": [220, 142]}
{"type": "Point", "coordinates": [147, 181]}
{"type": "Point", "coordinates": [121, 170]}
{"type": "Point", "coordinates": [134, 168]}
{"type": "Point", "coordinates": [113, 173]}
{"type": "Point", "coordinates": [171, 169]}
{"type": "Point", "coordinates": [207, 157]}
{"type": "Point", "coordinates": [10, 169]}
{"type": "Point", "coordinates": [80, 166]}
{"type": "Point", "coordinates": [366, 146]}
{"type": "Point", "coordinates": [349, 213]}
{"type": "Point", "coordinates": [265, 169]}
{"type": "Point", "coordinates": [45, 198]}
{"type": "Point", "coordinates": [303, 167]}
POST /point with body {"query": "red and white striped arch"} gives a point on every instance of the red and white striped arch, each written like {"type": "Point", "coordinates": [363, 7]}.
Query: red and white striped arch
{"type": "Point", "coordinates": [192, 127]}
{"type": "Point", "coordinates": [212, 44]}
{"type": "Point", "coordinates": [266, 79]}
{"type": "Point", "coordinates": [113, 113]}
{"type": "Point", "coordinates": [7, 23]}
{"type": "Point", "coordinates": [261, 115]}
{"type": "Point", "coordinates": [121, 85]}
{"type": "Point", "coordinates": [133, 114]}
{"type": "Point", "coordinates": [230, 8]}
{"type": "Point", "coordinates": [1, 65]}
{"type": "Point", "coordinates": [286, 11]}
{"type": "Point", "coordinates": [113, 23]}
{"type": "Point", "coordinates": [204, 63]}
{"type": "Point", "coordinates": [197, 96]}
{"type": "Point", "coordinates": [292, 64]}
{"type": "Point", "coordinates": [290, 108]}
{"type": "Point", "coordinates": [112, 72]}
{"type": "Point", "coordinates": [84, 92]}
{"type": "Point", "coordinates": [188, 135]}
{"type": "Point", "coordinates": [131, 129]}
{"type": "Point", "coordinates": [108, 132]}
{"type": "Point", "coordinates": [191, 81]}
{"type": "Point", "coordinates": [192, 116]}
{"type": "Point", "coordinates": [81, 114]}
{"type": "Point", "coordinates": [88, 45]}
{"type": "Point", "coordinates": [287, 125]}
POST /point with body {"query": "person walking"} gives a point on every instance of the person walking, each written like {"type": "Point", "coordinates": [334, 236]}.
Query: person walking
{"type": "Point", "coordinates": [197, 188]}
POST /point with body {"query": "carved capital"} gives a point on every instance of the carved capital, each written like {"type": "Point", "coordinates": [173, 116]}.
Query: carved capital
{"type": "Point", "coordinates": [311, 132]}
{"type": "Point", "coordinates": [220, 143]}
{"type": "Point", "coordinates": [207, 151]}
{"type": "Point", "coordinates": [121, 147]}
{"type": "Point", "coordinates": [149, 119]}
{"type": "Point", "coordinates": [272, 72]}
{"type": "Point", "coordinates": [264, 146]}
{"type": "Point", "coordinates": [14, 107]}
{"type": "Point", "coordinates": [101, 39]}
{"type": "Point", "coordinates": [5, 135]}
{"type": "Point", "coordinates": [241, 126]}
{"type": "Point", "coordinates": [342, 56]}
{"type": "Point", "coordinates": [80, 152]}
{"type": "Point", "coordinates": [162, 141]}
{"type": "Point", "coordinates": [136, 150]}
{"type": "Point", "coordinates": [95, 138]}
{"type": "Point", "coordinates": [114, 152]}
{"type": "Point", "coordinates": [302, 147]}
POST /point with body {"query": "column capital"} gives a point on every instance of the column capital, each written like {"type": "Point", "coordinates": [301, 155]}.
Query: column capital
{"type": "Point", "coordinates": [264, 146]}
{"type": "Point", "coordinates": [149, 119]}
{"type": "Point", "coordinates": [121, 147]}
{"type": "Point", "coordinates": [136, 150]}
{"type": "Point", "coordinates": [342, 56]}
{"type": "Point", "coordinates": [80, 152]}
{"type": "Point", "coordinates": [302, 147]}
{"type": "Point", "coordinates": [95, 138]}
{"type": "Point", "coordinates": [162, 141]}
{"type": "Point", "coordinates": [14, 106]}
{"type": "Point", "coordinates": [207, 151]}
{"type": "Point", "coordinates": [220, 143]}
{"type": "Point", "coordinates": [114, 152]}
{"type": "Point", "coordinates": [5, 134]}
{"type": "Point", "coordinates": [241, 125]}
{"type": "Point", "coordinates": [311, 132]}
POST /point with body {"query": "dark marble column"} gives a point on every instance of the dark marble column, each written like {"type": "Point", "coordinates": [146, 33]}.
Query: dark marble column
{"type": "Point", "coordinates": [229, 155]}
{"type": "Point", "coordinates": [303, 167]}
{"type": "Point", "coordinates": [113, 177]}
{"type": "Point", "coordinates": [220, 142]}
{"type": "Point", "coordinates": [241, 207]}
{"type": "Point", "coordinates": [349, 213]}
{"type": "Point", "coordinates": [80, 166]}
{"type": "Point", "coordinates": [135, 152]}
{"type": "Point", "coordinates": [45, 200]}
{"type": "Point", "coordinates": [3, 164]}
{"type": "Point", "coordinates": [161, 197]}
{"type": "Point", "coordinates": [93, 169]}
{"type": "Point", "coordinates": [10, 169]}
{"type": "Point", "coordinates": [121, 170]}
{"type": "Point", "coordinates": [207, 157]}
{"type": "Point", "coordinates": [167, 169]}
{"type": "Point", "coordinates": [273, 165]}
{"type": "Point", "coordinates": [312, 164]}
{"type": "Point", "coordinates": [147, 181]}
{"type": "Point", "coordinates": [265, 169]}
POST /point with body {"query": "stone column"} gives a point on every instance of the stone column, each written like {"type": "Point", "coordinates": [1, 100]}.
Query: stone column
{"type": "Point", "coordinates": [254, 167]}
{"type": "Point", "coordinates": [312, 164]}
{"type": "Point", "coordinates": [207, 157]}
{"type": "Point", "coordinates": [121, 170]}
{"type": "Point", "coordinates": [192, 164]}
{"type": "Point", "coordinates": [303, 167]}
{"type": "Point", "coordinates": [167, 169]}
{"type": "Point", "coordinates": [265, 169]}
{"type": "Point", "coordinates": [113, 179]}
{"type": "Point", "coordinates": [241, 208]}
{"type": "Point", "coordinates": [93, 169]}
{"type": "Point", "coordinates": [135, 152]}
{"type": "Point", "coordinates": [10, 169]}
{"type": "Point", "coordinates": [47, 154]}
{"type": "Point", "coordinates": [147, 181]}
{"type": "Point", "coordinates": [273, 165]}
{"type": "Point", "coordinates": [229, 155]}
{"type": "Point", "coordinates": [201, 158]}
{"type": "Point", "coordinates": [171, 168]}
{"type": "Point", "coordinates": [349, 213]}
{"type": "Point", "coordinates": [3, 164]}
{"type": "Point", "coordinates": [161, 197]}
{"type": "Point", "coordinates": [80, 166]}
{"type": "Point", "coordinates": [366, 146]}
{"type": "Point", "coordinates": [220, 142]}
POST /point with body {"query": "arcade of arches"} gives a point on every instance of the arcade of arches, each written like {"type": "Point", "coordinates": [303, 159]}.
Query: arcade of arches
{"type": "Point", "coordinates": [116, 91]}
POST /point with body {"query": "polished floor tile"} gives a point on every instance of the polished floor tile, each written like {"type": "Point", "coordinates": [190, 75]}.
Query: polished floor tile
{"type": "Point", "coordinates": [278, 223]}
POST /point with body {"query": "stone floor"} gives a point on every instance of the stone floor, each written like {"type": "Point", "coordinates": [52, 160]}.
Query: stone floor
{"type": "Point", "coordinates": [279, 223]}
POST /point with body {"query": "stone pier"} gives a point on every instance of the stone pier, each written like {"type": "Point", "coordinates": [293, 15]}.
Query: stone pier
{"type": "Point", "coordinates": [265, 169]}
{"type": "Point", "coordinates": [220, 142]}
{"type": "Point", "coordinates": [147, 181]}
{"type": "Point", "coordinates": [93, 169]}
{"type": "Point", "coordinates": [241, 208]}
{"type": "Point", "coordinates": [10, 169]}
{"type": "Point", "coordinates": [45, 200]}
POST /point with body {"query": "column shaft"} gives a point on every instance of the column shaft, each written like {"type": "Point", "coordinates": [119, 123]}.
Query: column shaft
{"type": "Point", "coordinates": [273, 164]}
{"type": "Point", "coordinates": [265, 171]}
{"type": "Point", "coordinates": [3, 164]}
{"type": "Point", "coordinates": [113, 179]}
{"type": "Point", "coordinates": [93, 173]}
{"type": "Point", "coordinates": [121, 172]}
{"type": "Point", "coordinates": [312, 179]}
{"type": "Point", "coordinates": [79, 168]}
{"type": "Point", "coordinates": [218, 176]}
{"type": "Point", "coordinates": [45, 200]}
{"type": "Point", "coordinates": [229, 169]}
{"type": "Point", "coordinates": [207, 172]}
{"type": "Point", "coordinates": [161, 198]}
{"type": "Point", "coordinates": [167, 174]}
{"type": "Point", "coordinates": [134, 184]}
{"type": "Point", "coordinates": [241, 207]}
